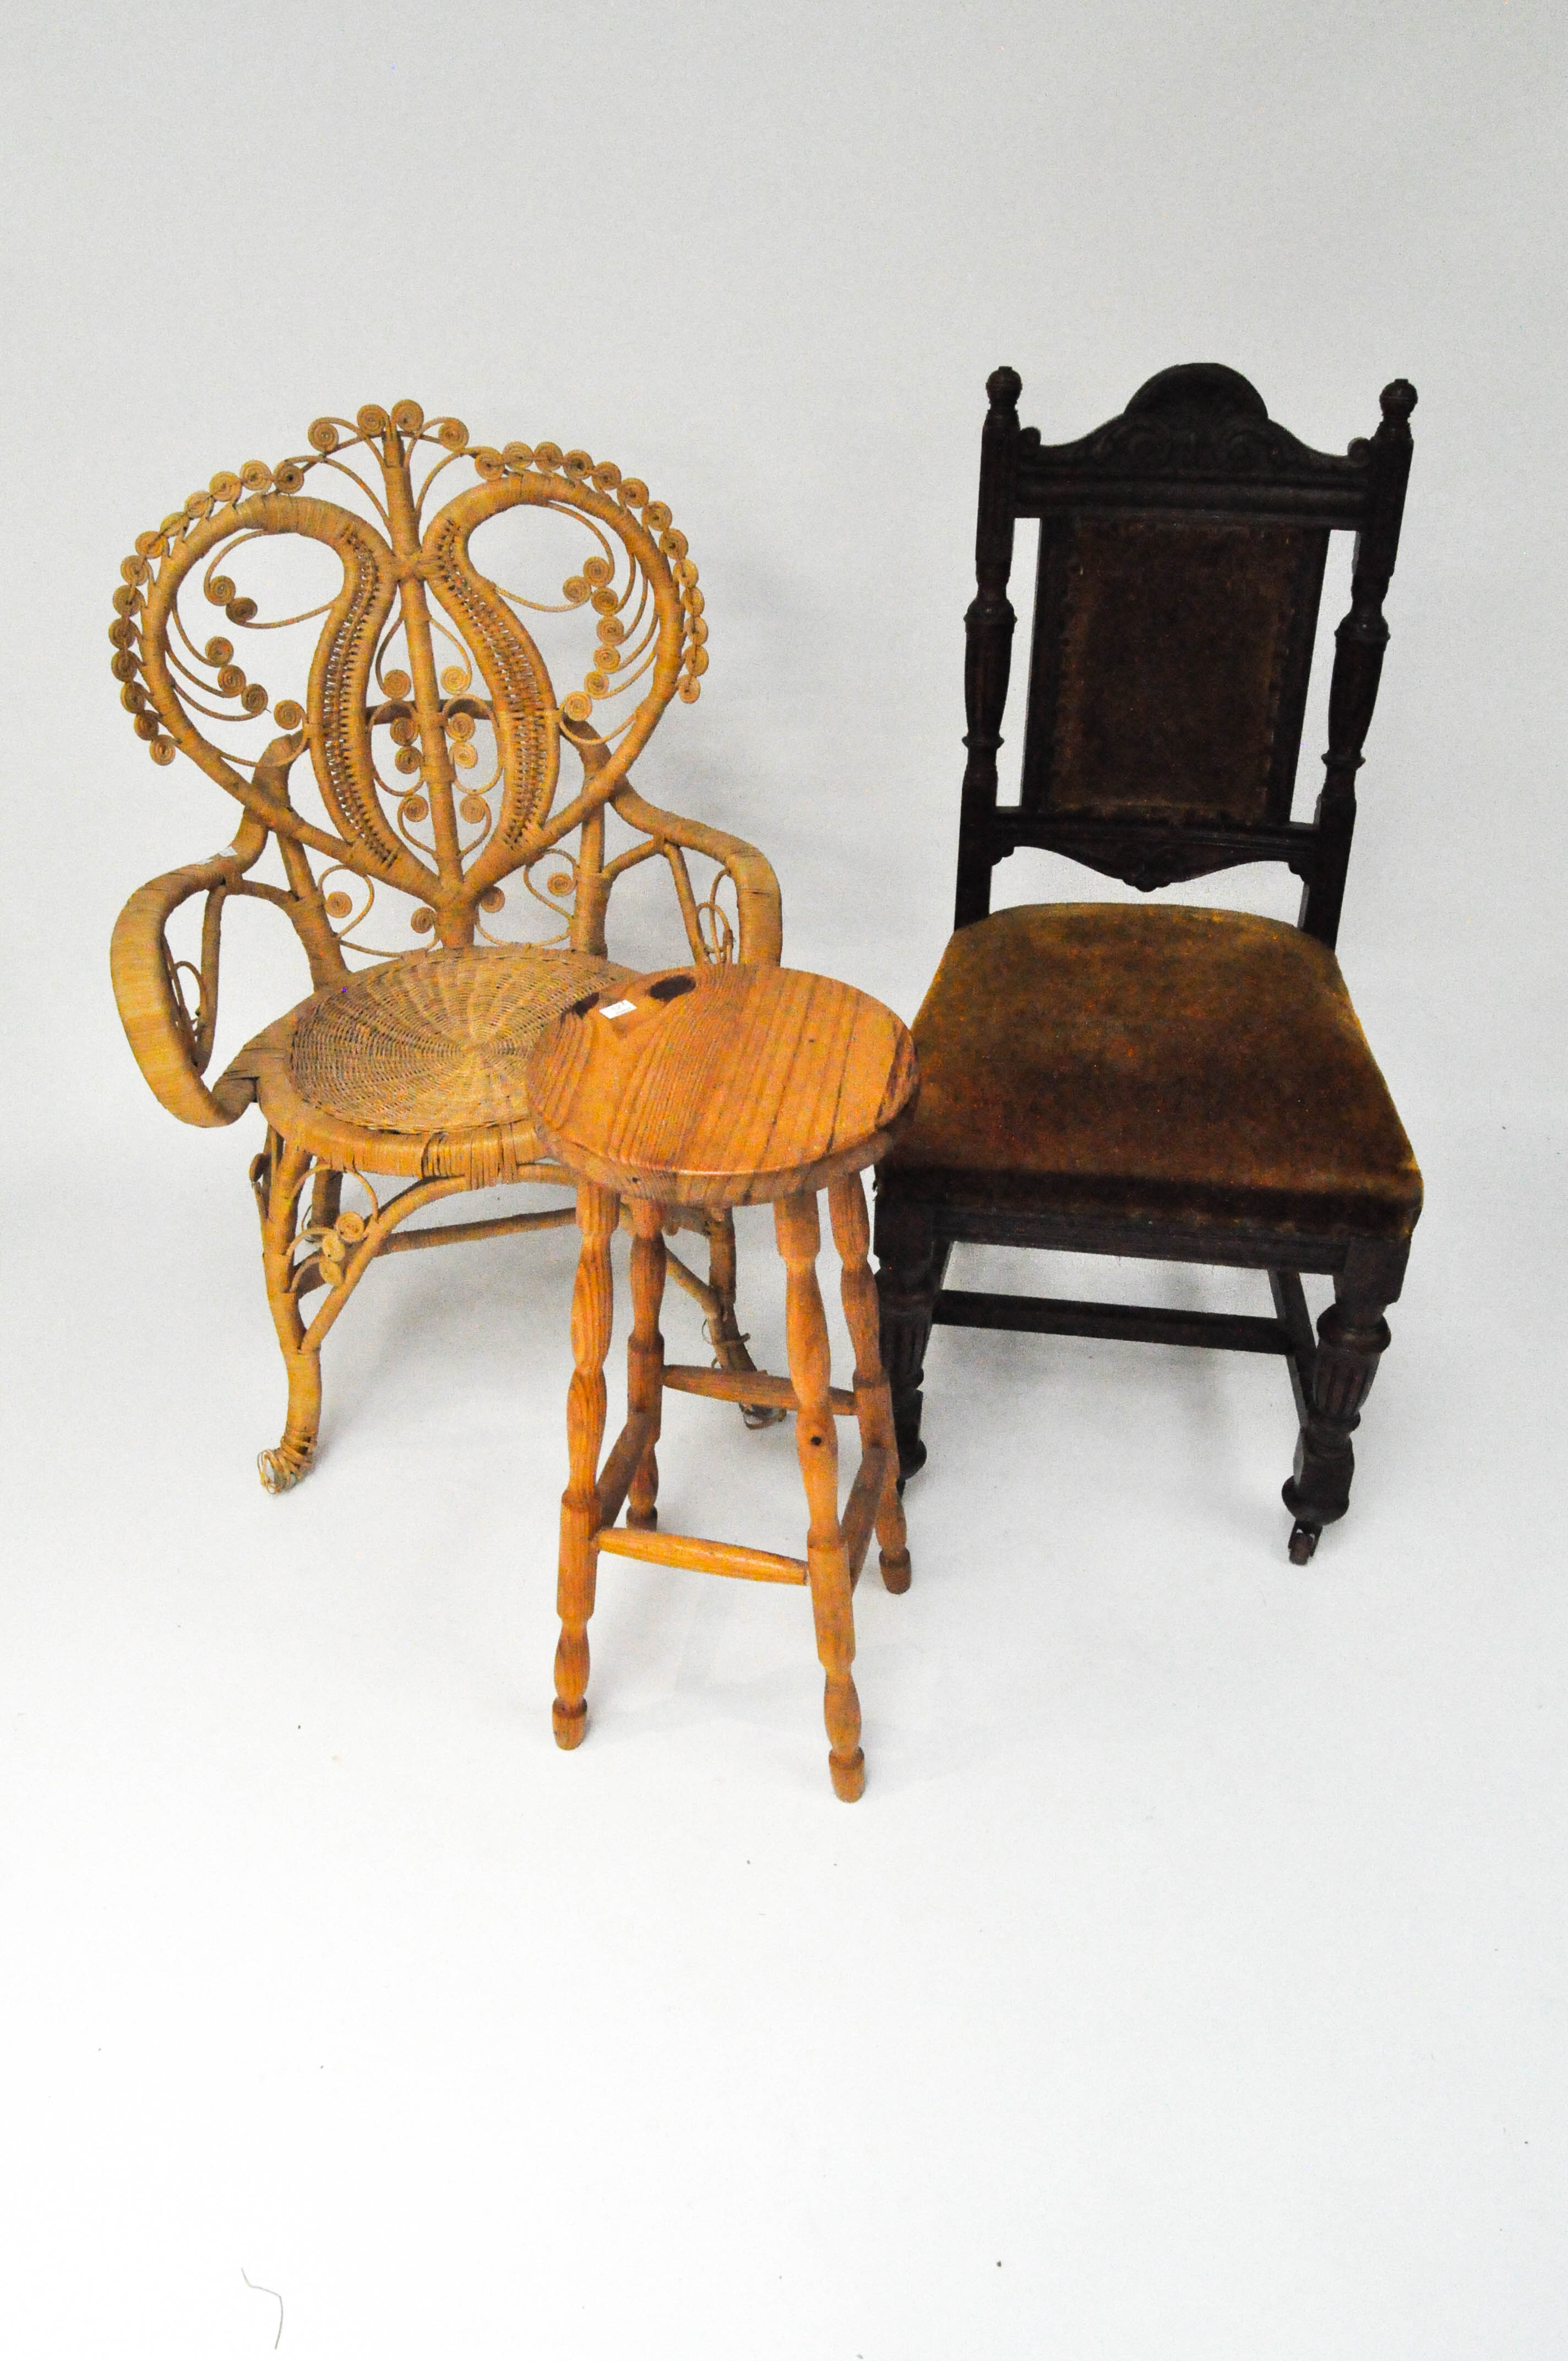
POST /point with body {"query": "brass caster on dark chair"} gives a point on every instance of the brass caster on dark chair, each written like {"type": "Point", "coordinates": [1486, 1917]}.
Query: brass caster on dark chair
{"type": "Point", "coordinates": [1303, 1542]}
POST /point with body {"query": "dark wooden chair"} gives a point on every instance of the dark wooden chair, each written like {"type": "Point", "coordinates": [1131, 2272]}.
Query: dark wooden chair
{"type": "Point", "coordinates": [1184, 1084]}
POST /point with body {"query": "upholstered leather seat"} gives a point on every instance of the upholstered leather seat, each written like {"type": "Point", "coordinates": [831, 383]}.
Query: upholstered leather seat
{"type": "Point", "coordinates": [1090, 1058]}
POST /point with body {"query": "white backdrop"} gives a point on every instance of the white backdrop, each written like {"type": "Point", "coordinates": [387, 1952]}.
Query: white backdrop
{"type": "Point", "coordinates": [1189, 1981]}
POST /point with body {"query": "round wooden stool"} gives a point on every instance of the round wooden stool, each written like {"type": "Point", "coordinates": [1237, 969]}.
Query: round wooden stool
{"type": "Point", "coordinates": [727, 1086]}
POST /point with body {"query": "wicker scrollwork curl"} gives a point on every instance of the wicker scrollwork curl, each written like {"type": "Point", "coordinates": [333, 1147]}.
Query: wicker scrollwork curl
{"type": "Point", "coordinates": [714, 924]}
{"type": "Point", "coordinates": [429, 718]}
{"type": "Point", "coordinates": [560, 891]}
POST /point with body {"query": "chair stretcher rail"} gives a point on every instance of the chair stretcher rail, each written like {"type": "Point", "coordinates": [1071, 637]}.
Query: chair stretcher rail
{"type": "Point", "coordinates": [1143, 1323]}
{"type": "Point", "coordinates": [701, 1557]}
{"type": "Point", "coordinates": [746, 1385]}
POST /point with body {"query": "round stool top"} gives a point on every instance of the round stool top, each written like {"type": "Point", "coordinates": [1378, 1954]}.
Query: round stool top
{"type": "Point", "coordinates": [722, 1085]}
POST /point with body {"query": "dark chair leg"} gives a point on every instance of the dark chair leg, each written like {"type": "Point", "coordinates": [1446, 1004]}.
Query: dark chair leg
{"type": "Point", "coordinates": [910, 1262]}
{"type": "Point", "coordinates": [1353, 1335]}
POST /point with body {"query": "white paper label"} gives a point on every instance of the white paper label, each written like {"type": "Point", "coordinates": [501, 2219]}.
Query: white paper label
{"type": "Point", "coordinates": [618, 1008]}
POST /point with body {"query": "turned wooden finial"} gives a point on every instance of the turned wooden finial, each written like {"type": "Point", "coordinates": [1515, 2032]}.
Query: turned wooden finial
{"type": "Point", "coordinates": [1005, 385]}
{"type": "Point", "coordinates": [1397, 401]}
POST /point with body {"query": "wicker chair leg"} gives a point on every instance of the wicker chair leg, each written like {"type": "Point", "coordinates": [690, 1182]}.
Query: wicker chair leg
{"type": "Point", "coordinates": [278, 1177]}
{"type": "Point", "coordinates": [282, 1468]}
{"type": "Point", "coordinates": [345, 1243]}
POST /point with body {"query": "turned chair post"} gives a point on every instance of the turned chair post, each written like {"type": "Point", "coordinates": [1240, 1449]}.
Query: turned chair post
{"type": "Point", "coordinates": [1360, 639]}
{"type": "Point", "coordinates": [911, 1263]}
{"type": "Point", "coordinates": [988, 645]}
{"type": "Point", "coordinates": [1353, 1336]}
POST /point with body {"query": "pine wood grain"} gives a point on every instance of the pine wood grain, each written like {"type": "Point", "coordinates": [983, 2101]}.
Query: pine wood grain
{"type": "Point", "coordinates": [726, 1385]}
{"type": "Point", "coordinates": [752, 1084]}
{"type": "Point", "coordinates": [689, 1550]}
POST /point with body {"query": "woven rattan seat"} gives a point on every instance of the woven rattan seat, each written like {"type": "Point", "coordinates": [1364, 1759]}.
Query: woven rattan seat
{"type": "Point", "coordinates": [418, 1067]}
{"type": "Point", "coordinates": [438, 1037]}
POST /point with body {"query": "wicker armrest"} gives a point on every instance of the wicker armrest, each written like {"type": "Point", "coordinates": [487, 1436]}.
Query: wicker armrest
{"type": "Point", "coordinates": [172, 1050]}
{"type": "Point", "coordinates": [756, 887]}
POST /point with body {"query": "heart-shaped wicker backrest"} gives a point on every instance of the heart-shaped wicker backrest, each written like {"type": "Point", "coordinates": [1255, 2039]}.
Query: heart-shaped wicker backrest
{"type": "Point", "coordinates": [422, 668]}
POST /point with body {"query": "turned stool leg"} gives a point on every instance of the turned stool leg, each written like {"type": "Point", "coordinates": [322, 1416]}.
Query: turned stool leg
{"type": "Point", "coordinates": [724, 1327]}
{"type": "Point", "coordinates": [598, 1209]}
{"type": "Point", "coordinates": [873, 1402]}
{"type": "Point", "coordinates": [816, 1441]}
{"type": "Point", "coordinates": [645, 1352]}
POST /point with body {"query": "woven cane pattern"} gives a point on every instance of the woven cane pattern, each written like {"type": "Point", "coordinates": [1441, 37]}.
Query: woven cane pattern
{"type": "Point", "coordinates": [439, 1039]}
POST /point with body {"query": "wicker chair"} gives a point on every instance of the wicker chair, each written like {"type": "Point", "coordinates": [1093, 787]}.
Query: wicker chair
{"type": "Point", "coordinates": [411, 1067]}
